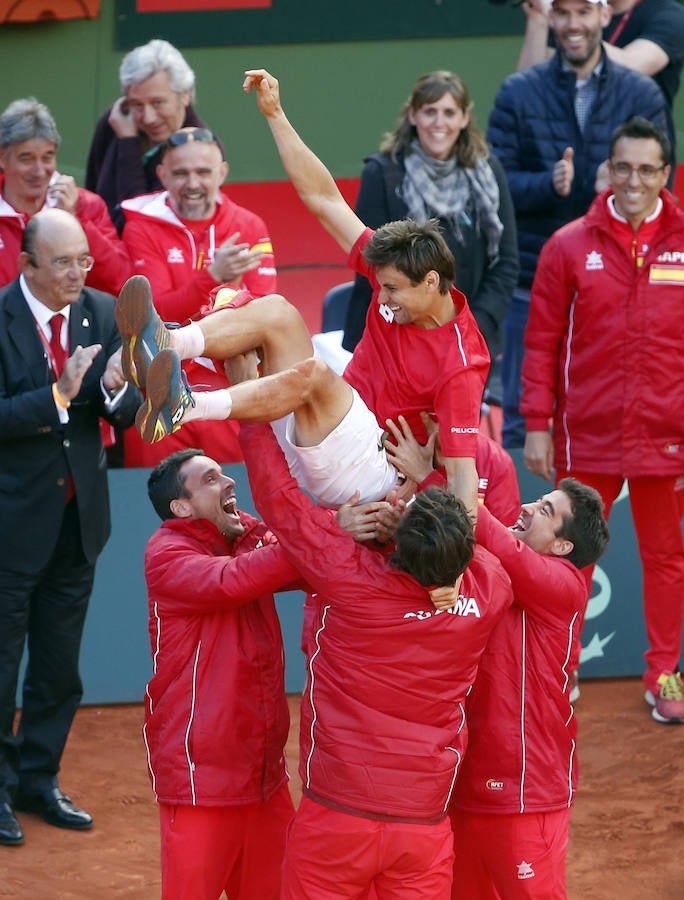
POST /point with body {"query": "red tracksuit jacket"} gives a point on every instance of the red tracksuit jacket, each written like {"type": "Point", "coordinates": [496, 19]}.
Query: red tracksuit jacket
{"type": "Point", "coordinates": [383, 725]}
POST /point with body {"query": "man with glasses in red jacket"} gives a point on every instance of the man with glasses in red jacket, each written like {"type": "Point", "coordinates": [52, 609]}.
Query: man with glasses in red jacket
{"type": "Point", "coordinates": [604, 357]}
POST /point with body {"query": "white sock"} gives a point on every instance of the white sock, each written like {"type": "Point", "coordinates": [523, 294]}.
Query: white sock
{"type": "Point", "coordinates": [212, 405]}
{"type": "Point", "coordinates": [188, 342]}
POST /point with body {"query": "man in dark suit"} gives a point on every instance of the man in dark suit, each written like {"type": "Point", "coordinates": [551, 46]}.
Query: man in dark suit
{"type": "Point", "coordinates": [58, 376]}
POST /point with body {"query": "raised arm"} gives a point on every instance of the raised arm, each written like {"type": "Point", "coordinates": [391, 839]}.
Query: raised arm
{"type": "Point", "coordinates": [659, 42]}
{"type": "Point", "coordinates": [312, 181]}
{"type": "Point", "coordinates": [535, 48]}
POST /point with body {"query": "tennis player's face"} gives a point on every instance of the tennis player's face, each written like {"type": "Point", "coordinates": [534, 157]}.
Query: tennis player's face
{"type": "Point", "coordinates": [539, 522]}
{"type": "Point", "coordinates": [209, 494]}
{"type": "Point", "coordinates": [418, 304]}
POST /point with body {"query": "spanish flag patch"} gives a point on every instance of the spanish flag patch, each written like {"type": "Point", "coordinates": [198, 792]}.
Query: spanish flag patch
{"type": "Point", "coordinates": [660, 274]}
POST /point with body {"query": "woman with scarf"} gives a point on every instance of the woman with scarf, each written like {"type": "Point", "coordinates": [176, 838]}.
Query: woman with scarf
{"type": "Point", "coordinates": [436, 164]}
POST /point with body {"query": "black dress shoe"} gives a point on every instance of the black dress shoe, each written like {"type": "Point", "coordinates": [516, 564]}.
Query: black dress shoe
{"type": "Point", "coordinates": [10, 830]}
{"type": "Point", "coordinates": [55, 808]}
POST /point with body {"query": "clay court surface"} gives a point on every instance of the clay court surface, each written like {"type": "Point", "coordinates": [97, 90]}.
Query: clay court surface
{"type": "Point", "coordinates": [626, 841]}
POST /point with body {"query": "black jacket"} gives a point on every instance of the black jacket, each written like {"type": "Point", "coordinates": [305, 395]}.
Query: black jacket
{"type": "Point", "coordinates": [36, 451]}
{"type": "Point", "coordinates": [531, 124]}
{"type": "Point", "coordinates": [488, 289]}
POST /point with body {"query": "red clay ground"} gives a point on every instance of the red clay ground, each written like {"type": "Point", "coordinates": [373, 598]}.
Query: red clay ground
{"type": "Point", "coordinates": [627, 836]}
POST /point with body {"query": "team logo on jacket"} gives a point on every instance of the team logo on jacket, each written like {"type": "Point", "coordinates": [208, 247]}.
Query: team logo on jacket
{"type": "Point", "coordinates": [494, 784]}
{"type": "Point", "coordinates": [594, 261]}
{"type": "Point", "coordinates": [525, 870]}
{"type": "Point", "coordinates": [672, 256]}
{"type": "Point", "coordinates": [175, 255]}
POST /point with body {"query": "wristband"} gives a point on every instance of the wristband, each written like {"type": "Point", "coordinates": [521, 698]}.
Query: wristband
{"type": "Point", "coordinates": [59, 400]}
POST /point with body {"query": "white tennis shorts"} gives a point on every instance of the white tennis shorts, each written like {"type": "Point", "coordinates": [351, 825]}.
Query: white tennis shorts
{"type": "Point", "coordinates": [350, 458]}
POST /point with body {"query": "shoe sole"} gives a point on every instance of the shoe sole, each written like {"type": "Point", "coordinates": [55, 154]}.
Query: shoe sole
{"type": "Point", "coordinates": [36, 808]}
{"type": "Point", "coordinates": [663, 720]}
{"type": "Point", "coordinates": [163, 376]}
{"type": "Point", "coordinates": [143, 333]}
{"type": "Point", "coordinates": [86, 826]}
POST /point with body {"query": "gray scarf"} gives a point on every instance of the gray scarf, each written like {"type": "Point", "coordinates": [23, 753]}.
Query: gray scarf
{"type": "Point", "coordinates": [435, 187]}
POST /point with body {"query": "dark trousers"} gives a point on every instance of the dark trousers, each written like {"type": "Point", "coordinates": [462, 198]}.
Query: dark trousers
{"type": "Point", "coordinates": [46, 610]}
{"type": "Point", "coordinates": [513, 431]}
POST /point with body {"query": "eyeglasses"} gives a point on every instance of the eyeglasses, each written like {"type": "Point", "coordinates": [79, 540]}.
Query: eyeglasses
{"type": "Point", "coordinates": [189, 136]}
{"type": "Point", "coordinates": [64, 263]}
{"type": "Point", "coordinates": [622, 171]}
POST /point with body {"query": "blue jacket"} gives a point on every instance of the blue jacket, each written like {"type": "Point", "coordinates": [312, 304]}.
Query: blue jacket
{"type": "Point", "coordinates": [532, 123]}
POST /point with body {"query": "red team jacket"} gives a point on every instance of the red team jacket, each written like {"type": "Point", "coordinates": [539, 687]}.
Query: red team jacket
{"type": "Point", "coordinates": [403, 369]}
{"type": "Point", "coordinates": [166, 252]}
{"type": "Point", "coordinates": [112, 265]}
{"type": "Point", "coordinates": [523, 733]}
{"type": "Point", "coordinates": [383, 725]}
{"type": "Point", "coordinates": [497, 480]}
{"type": "Point", "coordinates": [216, 717]}
{"type": "Point", "coordinates": [163, 249]}
{"type": "Point", "coordinates": [604, 352]}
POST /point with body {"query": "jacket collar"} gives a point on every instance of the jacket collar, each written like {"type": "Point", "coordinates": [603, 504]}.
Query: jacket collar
{"type": "Point", "coordinates": [564, 74]}
{"type": "Point", "coordinates": [155, 206]}
{"type": "Point", "coordinates": [599, 216]}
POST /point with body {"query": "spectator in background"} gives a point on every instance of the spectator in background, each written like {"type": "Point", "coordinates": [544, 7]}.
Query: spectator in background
{"type": "Point", "coordinates": [60, 370]}
{"type": "Point", "coordinates": [550, 127]}
{"type": "Point", "coordinates": [604, 355]}
{"type": "Point", "coordinates": [436, 163]}
{"type": "Point", "coordinates": [644, 35]}
{"type": "Point", "coordinates": [158, 88]}
{"type": "Point", "coordinates": [191, 237]}
{"type": "Point", "coordinates": [30, 182]}
{"type": "Point", "coordinates": [187, 240]}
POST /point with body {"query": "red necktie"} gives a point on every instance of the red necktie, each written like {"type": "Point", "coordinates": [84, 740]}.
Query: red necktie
{"type": "Point", "coordinates": [59, 357]}
{"type": "Point", "coordinates": [59, 354]}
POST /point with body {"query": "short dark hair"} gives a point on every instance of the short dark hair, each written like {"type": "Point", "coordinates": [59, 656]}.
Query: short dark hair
{"type": "Point", "coordinates": [166, 483]}
{"type": "Point", "coordinates": [642, 129]}
{"type": "Point", "coordinates": [435, 539]}
{"type": "Point", "coordinates": [413, 249]}
{"type": "Point", "coordinates": [587, 527]}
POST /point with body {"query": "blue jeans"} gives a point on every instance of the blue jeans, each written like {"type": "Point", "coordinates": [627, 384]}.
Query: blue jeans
{"type": "Point", "coordinates": [513, 431]}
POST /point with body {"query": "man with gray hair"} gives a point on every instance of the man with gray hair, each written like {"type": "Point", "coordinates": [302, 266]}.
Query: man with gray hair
{"type": "Point", "coordinates": [158, 89]}
{"type": "Point", "coordinates": [30, 182]}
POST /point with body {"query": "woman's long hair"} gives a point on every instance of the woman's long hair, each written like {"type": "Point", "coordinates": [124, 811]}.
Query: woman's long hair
{"type": "Point", "coordinates": [470, 146]}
